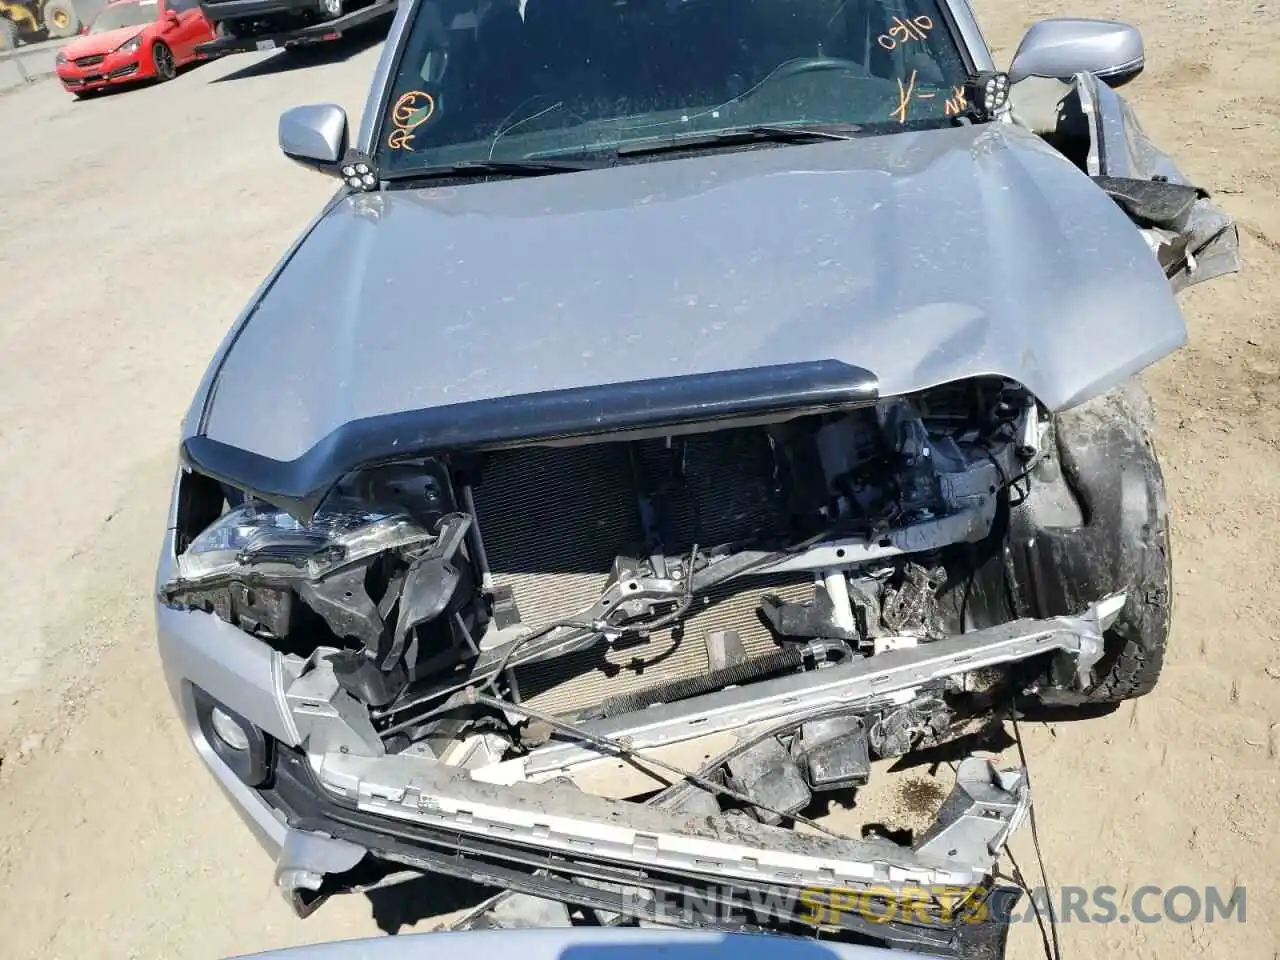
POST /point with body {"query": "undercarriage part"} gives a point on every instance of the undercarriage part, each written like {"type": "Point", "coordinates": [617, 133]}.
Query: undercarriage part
{"type": "Point", "coordinates": [523, 912]}
{"type": "Point", "coordinates": [769, 776]}
{"type": "Point", "coordinates": [762, 807]}
{"type": "Point", "coordinates": [921, 723]}
{"type": "Point", "coordinates": [911, 605]}
{"type": "Point", "coordinates": [835, 753]}
{"type": "Point", "coordinates": [856, 686]}
{"type": "Point", "coordinates": [769, 665]}
{"type": "Point", "coordinates": [585, 877]}
{"type": "Point", "coordinates": [555, 819]}
{"type": "Point", "coordinates": [817, 617]}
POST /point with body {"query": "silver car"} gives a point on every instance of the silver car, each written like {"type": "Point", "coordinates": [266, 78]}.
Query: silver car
{"type": "Point", "coordinates": [681, 405]}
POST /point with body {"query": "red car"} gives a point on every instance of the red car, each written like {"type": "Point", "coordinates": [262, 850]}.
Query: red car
{"type": "Point", "coordinates": [133, 40]}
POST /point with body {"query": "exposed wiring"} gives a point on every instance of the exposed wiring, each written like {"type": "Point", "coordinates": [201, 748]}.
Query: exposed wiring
{"type": "Point", "coordinates": [682, 606]}
{"type": "Point", "coordinates": [1035, 843]}
{"type": "Point", "coordinates": [668, 795]}
{"type": "Point", "coordinates": [641, 629]}
{"type": "Point", "coordinates": [621, 749]}
{"type": "Point", "coordinates": [1020, 881]}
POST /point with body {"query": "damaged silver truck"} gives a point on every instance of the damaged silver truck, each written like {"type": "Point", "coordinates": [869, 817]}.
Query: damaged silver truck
{"type": "Point", "coordinates": [681, 405]}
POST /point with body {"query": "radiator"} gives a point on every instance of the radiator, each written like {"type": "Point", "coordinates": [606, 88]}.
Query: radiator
{"type": "Point", "coordinates": [554, 520]}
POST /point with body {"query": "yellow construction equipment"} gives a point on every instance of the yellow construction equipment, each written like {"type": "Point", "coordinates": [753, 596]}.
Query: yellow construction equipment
{"type": "Point", "coordinates": [30, 20]}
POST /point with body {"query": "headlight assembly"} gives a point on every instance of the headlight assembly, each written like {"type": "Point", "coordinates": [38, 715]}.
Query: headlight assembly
{"type": "Point", "coordinates": [257, 537]}
{"type": "Point", "coordinates": [60, 58]}
{"type": "Point", "coordinates": [131, 45]}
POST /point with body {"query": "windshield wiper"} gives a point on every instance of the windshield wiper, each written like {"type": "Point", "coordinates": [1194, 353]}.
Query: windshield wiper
{"type": "Point", "coordinates": [759, 133]}
{"type": "Point", "coordinates": [487, 168]}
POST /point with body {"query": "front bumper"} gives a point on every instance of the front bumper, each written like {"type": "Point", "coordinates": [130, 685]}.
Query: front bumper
{"type": "Point", "coordinates": [336, 803]}
{"type": "Point", "coordinates": [114, 68]}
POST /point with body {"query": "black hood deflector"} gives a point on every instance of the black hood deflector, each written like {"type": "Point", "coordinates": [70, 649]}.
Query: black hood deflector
{"type": "Point", "coordinates": [299, 486]}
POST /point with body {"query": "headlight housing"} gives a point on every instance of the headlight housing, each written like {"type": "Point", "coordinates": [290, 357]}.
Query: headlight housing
{"type": "Point", "coordinates": [259, 537]}
{"type": "Point", "coordinates": [131, 45]}
{"type": "Point", "coordinates": [60, 58]}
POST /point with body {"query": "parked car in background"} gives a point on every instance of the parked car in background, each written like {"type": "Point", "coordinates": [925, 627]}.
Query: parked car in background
{"type": "Point", "coordinates": [132, 41]}
{"type": "Point", "coordinates": [244, 25]}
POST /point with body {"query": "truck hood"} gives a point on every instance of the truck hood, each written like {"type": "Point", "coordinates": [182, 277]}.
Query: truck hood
{"type": "Point", "coordinates": [923, 257]}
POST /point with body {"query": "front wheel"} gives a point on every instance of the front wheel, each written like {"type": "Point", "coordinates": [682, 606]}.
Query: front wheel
{"type": "Point", "coordinates": [1134, 646]}
{"type": "Point", "coordinates": [162, 59]}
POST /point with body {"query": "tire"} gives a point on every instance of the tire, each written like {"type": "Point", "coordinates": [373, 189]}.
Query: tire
{"type": "Point", "coordinates": [162, 60]}
{"type": "Point", "coordinates": [1134, 647]}
{"type": "Point", "coordinates": [1096, 522]}
{"type": "Point", "coordinates": [60, 19]}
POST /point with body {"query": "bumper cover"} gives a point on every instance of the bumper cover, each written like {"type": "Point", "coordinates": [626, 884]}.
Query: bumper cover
{"type": "Point", "coordinates": [982, 801]}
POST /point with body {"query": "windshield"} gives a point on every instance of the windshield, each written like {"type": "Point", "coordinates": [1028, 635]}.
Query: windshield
{"type": "Point", "coordinates": [125, 15]}
{"type": "Point", "coordinates": [508, 80]}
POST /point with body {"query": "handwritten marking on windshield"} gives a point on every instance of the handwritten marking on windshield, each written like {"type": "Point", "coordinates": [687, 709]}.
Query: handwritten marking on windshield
{"type": "Point", "coordinates": [410, 112]}
{"type": "Point", "coordinates": [958, 103]}
{"type": "Point", "coordinates": [904, 31]}
{"type": "Point", "coordinates": [904, 98]}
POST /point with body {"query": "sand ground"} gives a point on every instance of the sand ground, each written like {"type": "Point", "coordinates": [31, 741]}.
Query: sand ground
{"type": "Point", "coordinates": [133, 229]}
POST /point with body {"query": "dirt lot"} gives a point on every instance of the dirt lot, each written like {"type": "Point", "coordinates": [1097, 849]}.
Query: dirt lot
{"type": "Point", "coordinates": [132, 230]}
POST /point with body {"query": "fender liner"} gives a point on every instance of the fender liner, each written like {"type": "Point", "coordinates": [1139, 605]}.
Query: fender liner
{"type": "Point", "coordinates": [1094, 522]}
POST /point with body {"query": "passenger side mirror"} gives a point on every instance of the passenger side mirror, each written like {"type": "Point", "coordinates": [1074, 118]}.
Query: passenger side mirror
{"type": "Point", "coordinates": [315, 136]}
{"type": "Point", "coordinates": [1059, 48]}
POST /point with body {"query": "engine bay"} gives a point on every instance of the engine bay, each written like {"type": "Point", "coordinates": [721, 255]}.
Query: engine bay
{"type": "Point", "coordinates": [652, 650]}
{"type": "Point", "coordinates": [591, 580]}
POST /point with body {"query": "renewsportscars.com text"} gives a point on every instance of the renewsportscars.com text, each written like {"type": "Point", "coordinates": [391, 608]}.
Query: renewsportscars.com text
{"type": "Point", "coordinates": [948, 905]}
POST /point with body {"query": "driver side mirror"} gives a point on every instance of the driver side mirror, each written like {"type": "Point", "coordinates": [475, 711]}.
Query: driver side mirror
{"type": "Point", "coordinates": [1059, 48]}
{"type": "Point", "coordinates": [314, 136]}
{"type": "Point", "coordinates": [171, 17]}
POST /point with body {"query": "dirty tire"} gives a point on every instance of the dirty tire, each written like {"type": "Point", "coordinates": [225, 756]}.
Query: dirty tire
{"type": "Point", "coordinates": [60, 19]}
{"type": "Point", "coordinates": [8, 34]}
{"type": "Point", "coordinates": [1116, 430]}
{"type": "Point", "coordinates": [162, 59]}
{"type": "Point", "coordinates": [1134, 647]}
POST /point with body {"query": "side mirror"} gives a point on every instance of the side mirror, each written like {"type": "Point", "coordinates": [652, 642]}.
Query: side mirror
{"type": "Point", "coordinates": [315, 136]}
{"type": "Point", "coordinates": [172, 18]}
{"type": "Point", "coordinates": [1062, 47]}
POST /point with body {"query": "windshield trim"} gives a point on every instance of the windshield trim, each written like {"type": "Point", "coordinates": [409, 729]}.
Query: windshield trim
{"type": "Point", "coordinates": [375, 114]}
